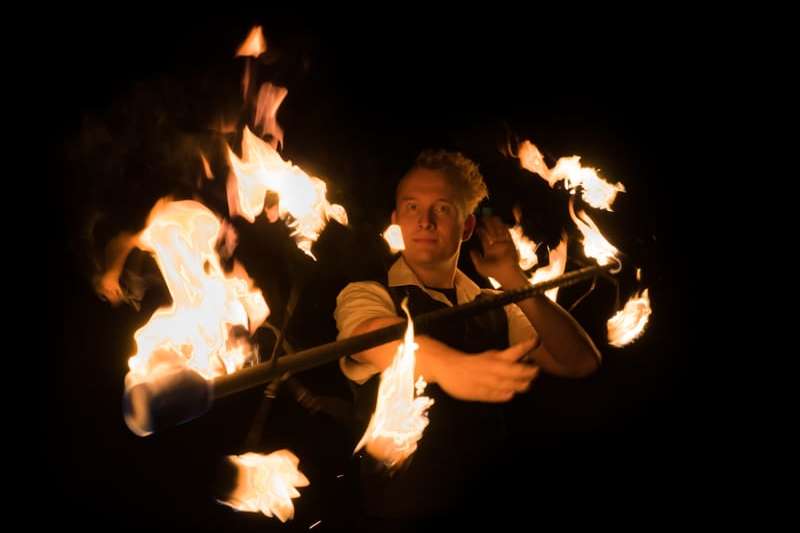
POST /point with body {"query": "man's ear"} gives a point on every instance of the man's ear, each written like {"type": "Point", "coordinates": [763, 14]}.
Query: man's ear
{"type": "Point", "coordinates": [394, 216]}
{"type": "Point", "coordinates": [469, 227]}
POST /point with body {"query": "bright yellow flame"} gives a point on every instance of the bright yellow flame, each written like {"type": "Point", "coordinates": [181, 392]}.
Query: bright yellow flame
{"type": "Point", "coordinates": [597, 192]}
{"type": "Point", "coordinates": [401, 412]}
{"type": "Point", "coordinates": [627, 325]}
{"type": "Point", "coordinates": [301, 196]}
{"type": "Point", "coordinates": [556, 267]}
{"type": "Point", "coordinates": [266, 483]}
{"type": "Point", "coordinates": [254, 45]}
{"type": "Point", "coordinates": [394, 236]}
{"type": "Point", "coordinates": [525, 247]}
{"type": "Point", "coordinates": [195, 330]}
{"type": "Point", "coordinates": [594, 244]}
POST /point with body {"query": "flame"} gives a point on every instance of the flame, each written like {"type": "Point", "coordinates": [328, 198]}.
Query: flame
{"type": "Point", "coordinates": [246, 80]}
{"type": "Point", "coordinates": [556, 267]}
{"type": "Point", "coordinates": [594, 244]}
{"type": "Point", "coordinates": [401, 412]}
{"type": "Point", "coordinates": [262, 169]}
{"type": "Point", "coordinates": [270, 98]}
{"type": "Point", "coordinates": [206, 167]}
{"type": "Point", "coordinates": [532, 159]}
{"type": "Point", "coordinates": [525, 247]}
{"type": "Point", "coordinates": [394, 236]}
{"type": "Point", "coordinates": [597, 192]}
{"type": "Point", "coordinates": [254, 45]}
{"type": "Point", "coordinates": [223, 126]}
{"type": "Point", "coordinates": [195, 330]}
{"type": "Point", "coordinates": [627, 325]}
{"type": "Point", "coordinates": [266, 483]}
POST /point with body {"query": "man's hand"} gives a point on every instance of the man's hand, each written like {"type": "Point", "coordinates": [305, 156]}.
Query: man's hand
{"type": "Point", "coordinates": [500, 259]}
{"type": "Point", "coordinates": [492, 376]}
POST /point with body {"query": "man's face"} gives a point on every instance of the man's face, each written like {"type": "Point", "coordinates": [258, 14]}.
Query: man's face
{"type": "Point", "coordinates": [430, 218]}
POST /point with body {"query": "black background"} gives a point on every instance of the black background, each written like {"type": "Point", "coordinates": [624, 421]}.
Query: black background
{"type": "Point", "coordinates": [135, 95]}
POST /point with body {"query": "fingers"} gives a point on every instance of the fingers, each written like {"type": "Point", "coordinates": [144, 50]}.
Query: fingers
{"type": "Point", "coordinates": [526, 385]}
{"type": "Point", "coordinates": [518, 381]}
{"type": "Point", "coordinates": [517, 351]}
{"type": "Point", "coordinates": [495, 395]}
{"type": "Point", "coordinates": [501, 390]}
{"type": "Point", "coordinates": [494, 230]}
{"type": "Point", "coordinates": [502, 376]}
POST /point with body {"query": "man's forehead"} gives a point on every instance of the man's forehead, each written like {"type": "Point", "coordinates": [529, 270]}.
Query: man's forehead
{"type": "Point", "coordinates": [425, 182]}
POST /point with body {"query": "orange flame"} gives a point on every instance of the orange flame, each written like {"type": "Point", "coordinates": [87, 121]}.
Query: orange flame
{"type": "Point", "coordinates": [597, 192]}
{"type": "Point", "coordinates": [270, 98]}
{"type": "Point", "coordinates": [556, 267]}
{"type": "Point", "coordinates": [223, 125]}
{"type": "Point", "coordinates": [394, 236]}
{"type": "Point", "coordinates": [594, 244]}
{"type": "Point", "coordinates": [629, 323]}
{"type": "Point", "coordinates": [262, 169]}
{"type": "Point", "coordinates": [266, 483]}
{"type": "Point", "coordinates": [195, 330]}
{"type": "Point", "coordinates": [532, 159]}
{"type": "Point", "coordinates": [254, 45]}
{"type": "Point", "coordinates": [525, 247]}
{"type": "Point", "coordinates": [206, 167]}
{"type": "Point", "coordinates": [401, 412]}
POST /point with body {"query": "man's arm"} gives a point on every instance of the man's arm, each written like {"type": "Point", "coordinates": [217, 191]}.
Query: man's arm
{"type": "Point", "coordinates": [492, 376]}
{"type": "Point", "coordinates": [564, 347]}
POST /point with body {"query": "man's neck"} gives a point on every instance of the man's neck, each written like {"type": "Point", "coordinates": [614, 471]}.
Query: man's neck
{"type": "Point", "coordinates": [440, 276]}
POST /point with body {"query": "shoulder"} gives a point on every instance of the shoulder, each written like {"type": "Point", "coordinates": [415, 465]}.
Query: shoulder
{"type": "Point", "coordinates": [372, 290]}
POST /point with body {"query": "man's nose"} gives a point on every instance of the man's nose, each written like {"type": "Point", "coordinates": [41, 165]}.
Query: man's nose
{"type": "Point", "coordinates": [426, 218]}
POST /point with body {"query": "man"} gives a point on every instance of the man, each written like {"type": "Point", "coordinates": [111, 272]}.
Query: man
{"type": "Point", "coordinates": [472, 366]}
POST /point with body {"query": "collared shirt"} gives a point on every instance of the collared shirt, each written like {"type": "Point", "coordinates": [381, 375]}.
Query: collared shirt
{"type": "Point", "coordinates": [367, 300]}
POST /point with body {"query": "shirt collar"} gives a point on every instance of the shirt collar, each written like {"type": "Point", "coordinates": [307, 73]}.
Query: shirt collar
{"type": "Point", "coordinates": [401, 274]}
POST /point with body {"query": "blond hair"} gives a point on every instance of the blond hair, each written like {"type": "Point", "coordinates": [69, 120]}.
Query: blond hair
{"type": "Point", "coordinates": [462, 173]}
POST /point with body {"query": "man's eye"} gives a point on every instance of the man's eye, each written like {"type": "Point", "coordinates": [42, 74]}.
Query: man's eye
{"type": "Point", "coordinates": [443, 209]}
{"type": "Point", "coordinates": [411, 207]}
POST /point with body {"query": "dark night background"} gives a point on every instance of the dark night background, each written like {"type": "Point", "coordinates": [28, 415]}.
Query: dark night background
{"type": "Point", "coordinates": [136, 97]}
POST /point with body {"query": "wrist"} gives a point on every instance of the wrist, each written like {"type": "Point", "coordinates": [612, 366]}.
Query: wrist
{"type": "Point", "coordinates": [513, 278]}
{"type": "Point", "coordinates": [432, 359]}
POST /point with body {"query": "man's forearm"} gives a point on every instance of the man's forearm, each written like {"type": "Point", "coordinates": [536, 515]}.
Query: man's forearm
{"type": "Point", "coordinates": [428, 357]}
{"type": "Point", "coordinates": [565, 347]}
